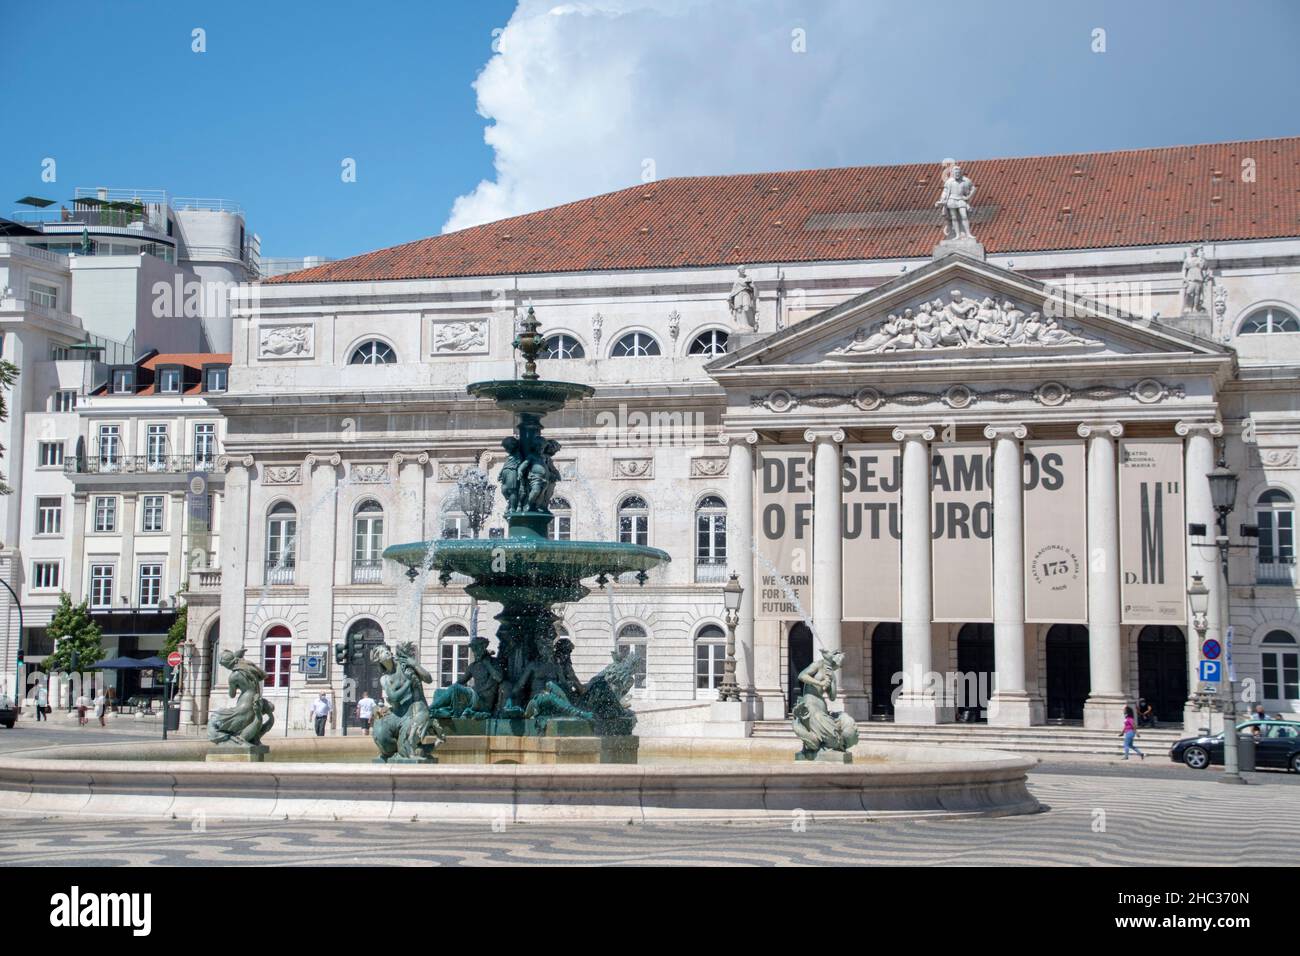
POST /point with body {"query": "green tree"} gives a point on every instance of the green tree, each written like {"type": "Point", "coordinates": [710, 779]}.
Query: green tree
{"type": "Point", "coordinates": [73, 629]}
{"type": "Point", "coordinates": [176, 633]}
{"type": "Point", "coordinates": [8, 375]}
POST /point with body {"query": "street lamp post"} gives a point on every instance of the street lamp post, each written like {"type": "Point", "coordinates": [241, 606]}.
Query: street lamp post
{"type": "Point", "coordinates": [18, 658]}
{"type": "Point", "coordinates": [1198, 596]}
{"type": "Point", "coordinates": [731, 595]}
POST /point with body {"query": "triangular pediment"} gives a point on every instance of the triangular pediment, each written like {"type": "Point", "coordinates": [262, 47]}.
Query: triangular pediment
{"type": "Point", "coordinates": [962, 309]}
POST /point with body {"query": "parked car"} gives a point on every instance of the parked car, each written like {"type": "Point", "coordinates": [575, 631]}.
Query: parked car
{"type": "Point", "coordinates": [8, 713]}
{"type": "Point", "coordinates": [1278, 745]}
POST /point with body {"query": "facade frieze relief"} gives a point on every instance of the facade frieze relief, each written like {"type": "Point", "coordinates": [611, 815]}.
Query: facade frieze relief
{"type": "Point", "coordinates": [368, 473]}
{"type": "Point", "coordinates": [633, 467]}
{"type": "Point", "coordinates": [281, 475]}
{"type": "Point", "coordinates": [708, 467]}
{"type": "Point", "coordinates": [290, 340]}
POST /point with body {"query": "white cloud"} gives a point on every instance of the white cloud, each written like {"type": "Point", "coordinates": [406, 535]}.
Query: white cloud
{"type": "Point", "coordinates": [584, 98]}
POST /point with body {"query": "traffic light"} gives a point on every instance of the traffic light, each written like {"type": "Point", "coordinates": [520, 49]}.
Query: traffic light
{"type": "Point", "coordinates": [340, 653]}
{"type": "Point", "coordinates": [20, 657]}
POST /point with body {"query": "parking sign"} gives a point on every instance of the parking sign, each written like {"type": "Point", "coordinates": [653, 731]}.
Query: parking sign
{"type": "Point", "coordinates": [1210, 671]}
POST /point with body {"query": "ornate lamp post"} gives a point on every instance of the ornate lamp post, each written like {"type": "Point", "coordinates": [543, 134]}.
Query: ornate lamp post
{"type": "Point", "coordinates": [731, 595]}
{"type": "Point", "coordinates": [1198, 597]}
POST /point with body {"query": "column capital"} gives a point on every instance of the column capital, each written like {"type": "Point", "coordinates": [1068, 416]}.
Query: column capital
{"type": "Point", "coordinates": [1005, 431]}
{"type": "Point", "coordinates": [835, 435]}
{"type": "Point", "coordinates": [226, 462]}
{"type": "Point", "coordinates": [914, 432]}
{"type": "Point", "coordinates": [1213, 428]}
{"type": "Point", "coordinates": [403, 458]}
{"type": "Point", "coordinates": [738, 438]}
{"type": "Point", "coordinates": [333, 461]}
{"type": "Point", "coordinates": [1112, 428]}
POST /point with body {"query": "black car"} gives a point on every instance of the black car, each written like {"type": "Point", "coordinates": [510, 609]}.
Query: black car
{"type": "Point", "coordinates": [1277, 745]}
{"type": "Point", "coordinates": [8, 713]}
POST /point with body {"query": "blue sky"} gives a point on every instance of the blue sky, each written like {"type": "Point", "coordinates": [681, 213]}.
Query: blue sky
{"type": "Point", "coordinates": [584, 97]}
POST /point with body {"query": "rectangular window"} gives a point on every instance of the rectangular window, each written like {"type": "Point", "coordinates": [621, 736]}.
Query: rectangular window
{"type": "Point", "coordinates": [276, 662]}
{"type": "Point", "coordinates": [152, 513]}
{"type": "Point", "coordinates": [150, 585]}
{"type": "Point", "coordinates": [455, 527]}
{"type": "Point", "coordinates": [709, 664]}
{"type": "Point", "coordinates": [105, 514]}
{"type": "Point", "coordinates": [49, 516]}
{"type": "Point", "coordinates": [205, 445]}
{"type": "Point", "coordinates": [45, 575]}
{"type": "Point", "coordinates": [60, 353]}
{"type": "Point", "coordinates": [624, 649]}
{"type": "Point", "coordinates": [51, 454]}
{"type": "Point", "coordinates": [110, 447]}
{"type": "Point", "coordinates": [40, 294]}
{"type": "Point", "coordinates": [101, 585]}
{"type": "Point", "coordinates": [123, 381]}
{"type": "Point", "coordinates": [453, 659]}
{"type": "Point", "coordinates": [214, 380]}
{"type": "Point", "coordinates": [169, 381]}
{"type": "Point", "coordinates": [562, 527]}
{"type": "Point", "coordinates": [65, 400]}
{"type": "Point", "coordinates": [156, 447]}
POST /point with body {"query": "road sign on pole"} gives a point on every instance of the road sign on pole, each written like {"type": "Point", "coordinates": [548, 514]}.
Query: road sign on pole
{"type": "Point", "coordinates": [1211, 672]}
{"type": "Point", "coordinates": [174, 659]}
{"type": "Point", "coordinates": [1211, 650]}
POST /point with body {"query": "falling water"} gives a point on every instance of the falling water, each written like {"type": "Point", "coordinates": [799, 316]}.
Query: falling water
{"type": "Point", "coordinates": [790, 594]}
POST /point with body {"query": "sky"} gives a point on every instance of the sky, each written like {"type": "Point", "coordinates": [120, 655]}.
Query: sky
{"type": "Point", "coordinates": [457, 113]}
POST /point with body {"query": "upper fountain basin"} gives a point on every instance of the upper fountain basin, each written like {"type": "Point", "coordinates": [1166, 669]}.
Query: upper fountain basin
{"type": "Point", "coordinates": [530, 397]}
{"type": "Point", "coordinates": [527, 559]}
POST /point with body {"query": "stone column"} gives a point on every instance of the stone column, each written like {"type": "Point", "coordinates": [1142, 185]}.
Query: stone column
{"type": "Point", "coordinates": [740, 557]}
{"type": "Point", "coordinates": [1104, 709]}
{"type": "Point", "coordinates": [126, 576]}
{"type": "Point", "coordinates": [77, 586]}
{"type": "Point", "coordinates": [1203, 559]}
{"type": "Point", "coordinates": [177, 559]}
{"type": "Point", "coordinates": [319, 564]}
{"type": "Point", "coordinates": [408, 524]}
{"type": "Point", "coordinates": [918, 702]}
{"type": "Point", "coordinates": [238, 527]}
{"type": "Point", "coordinates": [1011, 705]}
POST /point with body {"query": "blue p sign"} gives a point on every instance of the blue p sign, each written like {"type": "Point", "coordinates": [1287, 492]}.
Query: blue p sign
{"type": "Point", "coordinates": [1210, 671]}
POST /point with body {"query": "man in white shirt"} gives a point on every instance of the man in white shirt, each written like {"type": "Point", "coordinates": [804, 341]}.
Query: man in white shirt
{"type": "Point", "coordinates": [365, 710]}
{"type": "Point", "coordinates": [320, 709]}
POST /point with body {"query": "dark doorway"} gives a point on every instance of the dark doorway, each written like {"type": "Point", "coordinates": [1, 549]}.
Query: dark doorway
{"type": "Point", "coordinates": [1162, 671]}
{"type": "Point", "coordinates": [799, 654]}
{"type": "Point", "coordinates": [360, 673]}
{"type": "Point", "coordinates": [886, 661]}
{"type": "Point", "coordinates": [975, 672]}
{"type": "Point", "coordinates": [1068, 672]}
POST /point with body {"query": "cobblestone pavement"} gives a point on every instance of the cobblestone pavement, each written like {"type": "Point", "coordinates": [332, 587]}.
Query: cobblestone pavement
{"type": "Point", "coordinates": [1097, 814]}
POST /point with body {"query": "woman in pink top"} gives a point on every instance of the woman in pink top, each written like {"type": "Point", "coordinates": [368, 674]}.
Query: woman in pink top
{"type": "Point", "coordinates": [1129, 732]}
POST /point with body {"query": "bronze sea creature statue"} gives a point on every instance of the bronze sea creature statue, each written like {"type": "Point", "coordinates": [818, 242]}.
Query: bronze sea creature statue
{"type": "Point", "coordinates": [251, 717]}
{"type": "Point", "coordinates": [401, 731]}
{"type": "Point", "coordinates": [814, 724]}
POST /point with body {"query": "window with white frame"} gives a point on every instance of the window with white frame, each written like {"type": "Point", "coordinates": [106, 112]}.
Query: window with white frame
{"type": "Point", "coordinates": [277, 656]}
{"type": "Point", "coordinates": [367, 542]}
{"type": "Point", "coordinates": [1280, 661]}
{"type": "Point", "coordinates": [214, 379]}
{"type": "Point", "coordinates": [710, 537]}
{"type": "Point", "coordinates": [633, 520]}
{"type": "Point", "coordinates": [205, 444]}
{"type": "Point", "coordinates": [169, 380]}
{"type": "Point", "coordinates": [711, 343]}
{"type": "Point", "coordinates": [1275, 515]}
{"type": "Point", "coordinates": [710, 657]}
{"type": "Point", "coordinates": [150, 584]}
{"type": "Point", "coordinates": [156, 447]}
{"type": "Point", "coordinates": [562, 522]}
{"type": "Point", "coordinates": [635, 345]}
{"type": "Point", "coordinates": [38, 293]}
{"type": "Point", "coordinates": [51, 454]}
{"type": "Point", "coordinates": [373, 352]}
{"type": "Point", "coordinates": [453, 654]}
{"type": "Point", "coordinates": [110, 446]}
{"type": "Point", "coordinates": [562, 346]}
{"type": "Point", "coordinates": [455, 527]}
{"type": "Point", "coordinates": [632, 639]}
{"type": "Point", "coordinates": [49, 516]}
{"type": "Point", "coordinates": [123, 381]}
{"type": "Point", "coordinates": [1269, 320]}
{"type": "Point", "coordinates": [152, 512]}
{"type": "Point", "coordinates": [101, 585]}
{"type": "Point", "coordinates": [281, 541]}
{"type": "Point", "coordinates": [65, 400]}
{"type": "Point", "coordinates": [46, 575]}
{"type": "Point", "coordinates": [105, 514]}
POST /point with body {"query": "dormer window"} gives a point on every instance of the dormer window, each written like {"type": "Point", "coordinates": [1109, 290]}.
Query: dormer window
{"type": "Point", "coordinates": [214, 378]}
{"type": "Point", "coordinates": [123, 381]}
{"type": "Point", "coordinates": [169, 380]}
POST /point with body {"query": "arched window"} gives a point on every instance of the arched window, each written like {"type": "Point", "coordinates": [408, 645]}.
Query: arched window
{"type": "Point", "coordinates": [277, 656]}
{"type": "Point", "coordinates": [711, 343]}
{"type": "Point", "coordinates": [633, 520]}
{"type": "Point", "coordinates": [1275, 515]}
{"type": "Point", "coordinates": [635, 345]}
{"type": "Point", "coordinates": [710, 657]}
{"type": "Point", "coordinates": [373, 352]}
{"type": "Point", "coordinates": [632, 639]}
{"type": "Point", "coordinates": [1268, 320]}
{"type": "Point", "coordinates": [562, 524]}
{"type": "Point", "coordinates": [453, 654]}
{"type": "Point", "coordinates": [562, 346]}
{"type": "Point", "coordinates": [1280, 660]}
{"type": "Point", "coordinates": [710, 540]}
{"type": "Point", "coordinates": [367, 542]}
{"type": "Point", "coordinates": [281, 543]}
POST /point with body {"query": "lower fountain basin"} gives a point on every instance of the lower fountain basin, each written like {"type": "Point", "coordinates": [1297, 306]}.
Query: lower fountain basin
{"type": "Point", "coordinates": [675, 780]}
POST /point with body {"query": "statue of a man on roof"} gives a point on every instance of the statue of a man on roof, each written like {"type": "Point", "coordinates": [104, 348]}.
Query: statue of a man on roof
{"type": "Point", "coordinates": [1196, 276]}
{"type": "Point", "coordinates": [743, 300]}
{"type": "Point", "coordinates": [958, 191]}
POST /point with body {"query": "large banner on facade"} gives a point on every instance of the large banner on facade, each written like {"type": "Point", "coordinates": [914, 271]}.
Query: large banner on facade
{"type": "Point", "coordinates": [961, 530]}
{"type": "Point", "coordinates": [1153, 578]}
{"type": "Point", "coordinates": [783, 533]}
{"type": "Point", "coordinates": [1056, 533]}
{"type": "Point", "coordinates": [871, 553]}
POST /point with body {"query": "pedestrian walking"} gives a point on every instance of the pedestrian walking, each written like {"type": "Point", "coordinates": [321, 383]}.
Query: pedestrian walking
{"type": "Point", "coordinates": [83, 704]}
{"type": "Point", "coordinates": [1128, 733]}
{"type": "Point", "coordinates": [101, 707]}
{"type": "Point", "coordinates": [320, 709]}
{"type": "Point", "coordinates": [42, 701]}
{"type": "Point", "coordinates": [365, 710]}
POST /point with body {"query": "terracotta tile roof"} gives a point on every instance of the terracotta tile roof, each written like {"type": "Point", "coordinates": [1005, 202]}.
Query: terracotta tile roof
{"type": "Point", "coordinates": [1139, 197]}
{"type": "Point", "coordinates": [192, 359]}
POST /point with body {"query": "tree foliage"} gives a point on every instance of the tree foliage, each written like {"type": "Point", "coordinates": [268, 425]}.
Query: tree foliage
{"type": "Point", "coordinates": [73, 629]}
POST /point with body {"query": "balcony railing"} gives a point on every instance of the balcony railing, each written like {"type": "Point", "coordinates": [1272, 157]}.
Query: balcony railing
{"type": "Point", "coordinates": [207, 580]}
{"type": "Point", "coordinates": [138, 464]}
{"type": "Point", "coordinates": [367, 570]}
{"type": "Point", "coordinates": [710, 570]}
{"type": "Point", "coordinates": [1275, 571]}
{"type": "Point", "coordinates": [280, 570]}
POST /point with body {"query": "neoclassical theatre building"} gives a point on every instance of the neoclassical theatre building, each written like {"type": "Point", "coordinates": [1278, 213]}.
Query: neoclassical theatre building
{"type": "Point", "coordinates": [976, 464]}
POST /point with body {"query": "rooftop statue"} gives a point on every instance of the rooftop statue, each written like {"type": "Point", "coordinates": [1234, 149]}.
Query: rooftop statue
{"type": "Point", "coordinates": [743, 300]}
{"type": "Point", "coordinates": [958, 191]}
{"type": "Point", "coordinates": [1196, 276]}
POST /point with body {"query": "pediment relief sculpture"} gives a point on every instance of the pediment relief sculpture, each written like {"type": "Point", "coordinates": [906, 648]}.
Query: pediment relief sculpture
{"type": "Point", "coordinates": [962, 323]}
